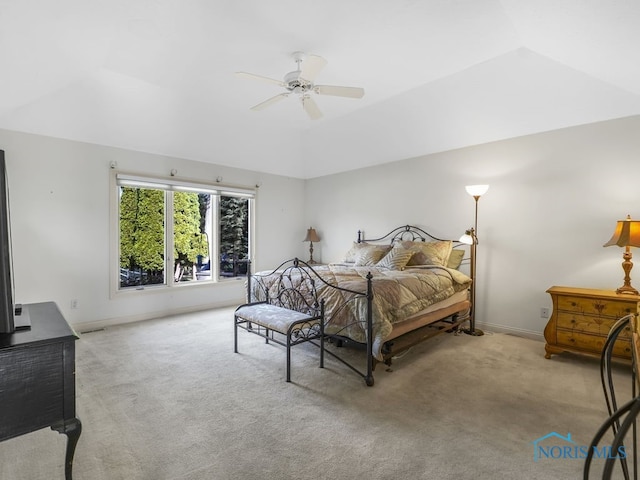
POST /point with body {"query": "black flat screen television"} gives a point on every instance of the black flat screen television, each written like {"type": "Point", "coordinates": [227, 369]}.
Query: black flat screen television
{"type": "Point", "coordinates": [7, 312]}
{"type": "Point", "coordinates": [12, 316]}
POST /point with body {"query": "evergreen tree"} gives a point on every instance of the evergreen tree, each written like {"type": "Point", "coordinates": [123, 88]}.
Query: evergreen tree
{"type": "Point", "coordinates": [142, 233]}
{"type": "Point", "coordinates": [188, 240]}
{"type": "Point", "coordinates": [234, 232]}
{"type": "Point", "coordinates": [142, 230]}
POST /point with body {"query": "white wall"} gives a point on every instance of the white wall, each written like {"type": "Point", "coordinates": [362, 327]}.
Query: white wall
{"type": "Point", "coordinates": [553, 201]}
{"type": "Point", "coordinates": [59, 193]}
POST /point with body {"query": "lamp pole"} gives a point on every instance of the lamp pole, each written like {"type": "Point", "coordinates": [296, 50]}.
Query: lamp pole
{"type": "Point", "coordinates": [472, 330]}
{"type": "Point", "coordinates": [476, 191]}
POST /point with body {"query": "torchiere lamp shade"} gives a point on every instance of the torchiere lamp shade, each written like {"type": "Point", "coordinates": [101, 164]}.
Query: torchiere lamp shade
{"type": "Point", "coordinates": [476, 190]}
{"type": "Point", "coordinates": [627, 234]}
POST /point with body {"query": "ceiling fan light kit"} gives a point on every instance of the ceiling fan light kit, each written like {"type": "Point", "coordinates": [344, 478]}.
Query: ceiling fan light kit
{"type": "Point", "coordinates": [300, 82]}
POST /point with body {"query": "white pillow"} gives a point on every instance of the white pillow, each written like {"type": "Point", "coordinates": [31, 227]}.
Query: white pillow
{"type": "Point", "coordinates": [370, 254]}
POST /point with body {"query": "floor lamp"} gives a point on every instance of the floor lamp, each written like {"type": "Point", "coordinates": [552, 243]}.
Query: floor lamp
{"type": "Point", "coordinates": [471, 238]}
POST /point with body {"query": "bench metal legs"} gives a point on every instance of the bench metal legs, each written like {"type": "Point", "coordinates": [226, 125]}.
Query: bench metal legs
{"type": "Point", "coordinates": [303, 331]}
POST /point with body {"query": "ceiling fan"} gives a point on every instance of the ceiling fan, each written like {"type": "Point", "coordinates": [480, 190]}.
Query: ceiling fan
{"type": "Point", "coordinates": [300, 82]}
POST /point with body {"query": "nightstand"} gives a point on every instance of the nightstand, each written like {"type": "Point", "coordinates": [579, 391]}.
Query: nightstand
{"type": "Point", "coordinates": [582, 318]}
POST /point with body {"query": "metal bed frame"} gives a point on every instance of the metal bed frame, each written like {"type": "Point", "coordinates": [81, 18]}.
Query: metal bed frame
{"type": "Point", "coordinates": [450, 320]}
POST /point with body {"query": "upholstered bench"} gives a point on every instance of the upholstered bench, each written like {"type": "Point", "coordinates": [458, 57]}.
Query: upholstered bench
{"type": "Point", "coordinates": [273, 322]}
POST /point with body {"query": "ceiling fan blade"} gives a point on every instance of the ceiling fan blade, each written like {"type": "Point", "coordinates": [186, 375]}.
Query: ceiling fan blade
{"type": "Point", "coordinates": [270, 101]}
{"type": "Point", "coordinates": [351, 92]}
{"type": "Point", "coordinates": [253, 76]}
{"type": "Point", "coordinates": [311, 66]}
{"type": "Point", "coordinates": [311, 108]}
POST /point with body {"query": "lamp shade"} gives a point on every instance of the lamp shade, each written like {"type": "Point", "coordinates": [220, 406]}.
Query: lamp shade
{"type": "Point", "coordinates": [627, 234]}
{"type": "Point", "coordinates": [312, 235]}
{"type": "Point", "coordinates": [467, 239]}
{"type": "Point", "coordinates": [476, 190]}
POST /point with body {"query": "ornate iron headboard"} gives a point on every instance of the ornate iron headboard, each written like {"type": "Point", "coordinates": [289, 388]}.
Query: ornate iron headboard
{"type": "Point", "coordinates": [405, 232]}
{"type": "Point", "coordinates": [415, 234]}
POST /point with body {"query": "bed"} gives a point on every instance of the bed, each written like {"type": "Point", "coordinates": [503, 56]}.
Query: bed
{"type": "Point", "coordinates": [386, 295]}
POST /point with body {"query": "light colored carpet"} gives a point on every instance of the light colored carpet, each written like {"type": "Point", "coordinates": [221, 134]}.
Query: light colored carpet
{"type": "Point", "coordinates": [168, 399]}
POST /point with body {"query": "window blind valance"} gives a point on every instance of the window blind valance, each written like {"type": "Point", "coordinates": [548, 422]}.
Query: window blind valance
{"type": "Point", "coordinates": [137, 181]}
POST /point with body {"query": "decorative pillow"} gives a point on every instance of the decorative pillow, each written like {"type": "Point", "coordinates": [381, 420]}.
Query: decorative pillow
{"type": "Point", "coordinates": [350, 256]}
{"type": "Point", "coordinates": [455, 259]}
{"type": "Point", "coordinates": [370, 254]}
{"type": "Point", "coordinates": [396, 259]}
{"type": "Point", "coordinates": [429, 253]}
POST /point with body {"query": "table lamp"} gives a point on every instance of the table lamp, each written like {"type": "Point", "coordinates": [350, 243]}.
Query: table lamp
{"type": "Point", "coordinates": [312, 236]}
{"type": "Point", "coordinates": [627, 234]}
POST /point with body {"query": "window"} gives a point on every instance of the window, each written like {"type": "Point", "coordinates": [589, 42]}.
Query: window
{"type": "Point", "coordinates": [174, 232]}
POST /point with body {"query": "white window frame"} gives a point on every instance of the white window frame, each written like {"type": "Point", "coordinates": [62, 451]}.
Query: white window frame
{"type": "Point", "coordinates": [170, 185]}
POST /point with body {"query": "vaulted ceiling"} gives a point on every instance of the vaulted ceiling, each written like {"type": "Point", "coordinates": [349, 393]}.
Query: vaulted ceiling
{"type": "Point", "coordinates": [158, 75]}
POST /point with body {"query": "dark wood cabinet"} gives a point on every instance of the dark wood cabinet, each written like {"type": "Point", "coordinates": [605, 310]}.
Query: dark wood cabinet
{"type": "Point", "coordinates": [37, 378]}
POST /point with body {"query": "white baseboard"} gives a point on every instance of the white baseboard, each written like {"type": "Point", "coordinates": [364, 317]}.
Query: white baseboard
{"type": "Point", "coordinates": [85, 327]}
{"type": "Point", "coordinates": [519, 332]}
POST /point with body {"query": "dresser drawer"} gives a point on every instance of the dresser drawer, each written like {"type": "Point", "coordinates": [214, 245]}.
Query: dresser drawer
{"type": "Point", "coordinates": [579, 323]}
{"type": "Point", "coordinates": [596, 307]}
{"type": "Point", "coordinates": [593, 343]}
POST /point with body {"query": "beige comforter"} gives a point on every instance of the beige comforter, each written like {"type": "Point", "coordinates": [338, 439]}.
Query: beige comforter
{"type": "Point", "coordinates": [397, 295]}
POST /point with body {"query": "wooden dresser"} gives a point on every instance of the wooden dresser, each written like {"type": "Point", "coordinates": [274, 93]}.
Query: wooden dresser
{"type": "Point", "coordinates": [582, 318]}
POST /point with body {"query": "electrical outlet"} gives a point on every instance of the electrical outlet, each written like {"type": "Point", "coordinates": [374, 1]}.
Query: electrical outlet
{"type": "Point", "coordinates": [74, 304]}
{"type": "Point", "coordinates": [544, 312]}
